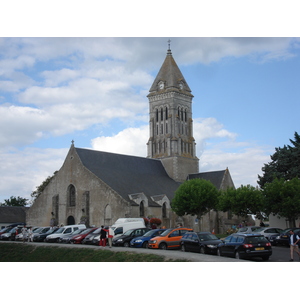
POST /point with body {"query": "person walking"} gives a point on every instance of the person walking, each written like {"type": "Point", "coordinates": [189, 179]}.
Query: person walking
{"type": "Point", "coordinates": [30, 234]}
{"type": "Point", "coordinates": [102, 237]}
{"type": "Point", "coordinates": [111, 235]}
{"type": "Point", "coordinates": [294, 240]}
{"type": "Point", "coordinates": [24, 233]}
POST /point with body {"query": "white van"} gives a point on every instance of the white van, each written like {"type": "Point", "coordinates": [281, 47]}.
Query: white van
{"type": "Point", "coordinates": [53, 238]}
{"type": "Point", "coordinates": [124, 224]}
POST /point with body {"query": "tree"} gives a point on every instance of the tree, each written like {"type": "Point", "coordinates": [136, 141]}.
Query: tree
{"type": "Point", "coordinates": [39, 189]}
{"type": "Point", "coordinates": [14, 201]}
{"type": "Point", "coordinates": [285, 163]}
{"type": "Point", "coordinates": [282, 198]}
{"type": "Point", "coordinates": [243, 201]}
{"type": "Point", "coordinates": [195, 197]}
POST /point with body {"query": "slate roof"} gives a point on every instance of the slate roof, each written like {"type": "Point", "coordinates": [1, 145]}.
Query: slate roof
{"type": "Point", "coordinates": [13, 214]}
{"type": "Point", "coordinates": [215, 177]}
{"type": "Point", "coordinates": [170, 74]}
{"type": "Point", "coordinates": [129, 174]}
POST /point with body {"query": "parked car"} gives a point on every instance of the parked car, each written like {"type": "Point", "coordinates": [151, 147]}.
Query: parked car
{"type": "Point", "coordinates": [245, 246]}
{"type": "Point", "coordinates": [40, 237]}
{"type": "Point", "coordinates": [268, 231]}
{"type": "Point", "coordinates": [142, 241]}
{"type": "Point", "coordinates": [9, 235]}
{"type": "Point", "coordinates": [248, 229]}
{"type": "Point", "coordinates": [78, 238]}
{"type": "Point", "coordinates": [125, 238]}
{"type": "Point", "coordinates": [169, 239]}
{"type": "Point", "coordinates": [36, 231]}
{"type": "Point", "coordinates": [54, 237]}
{"type": "Point", "coordinates": [89, 238]}
{"type": "Point", "coordinates": [283, 238]}
{"type": "Point", "coordinates": [4, 230]}
{"type": "Point", "coordinates": [66, 238]}
{"type": "Point", "coordinates": [203, 242]}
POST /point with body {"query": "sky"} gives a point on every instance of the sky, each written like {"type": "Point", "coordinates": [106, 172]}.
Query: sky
{"type": "Point", "coordinates": [94, 91]}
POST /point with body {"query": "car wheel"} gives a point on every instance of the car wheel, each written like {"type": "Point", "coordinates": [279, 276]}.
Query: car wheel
{"type": "Point", "coordinates": [145, 245]}
{"type": "Point", "coordinates": [265, 258]}
{"type": "Point", "coordinates": [182, 247]}
{"type": "Point", "coordinates": [202, 251]}
{"type": "Point", "coordinates": [163, 246]}
{"type": "Point", "coordinates": [237, 255]}
{"type": "Point", "coordinates": [126, 244]}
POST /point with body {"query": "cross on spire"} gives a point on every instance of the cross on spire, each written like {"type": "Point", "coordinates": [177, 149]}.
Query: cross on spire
{"type": "Point", "coordinates": [169, 43]}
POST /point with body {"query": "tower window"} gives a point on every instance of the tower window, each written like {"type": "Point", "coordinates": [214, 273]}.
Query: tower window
{"type": "Point", "coordinates": [157, 115]}
{"type": "Point", "coordinates": [166, 113]}
{"type": "Point", "coordinates": [161, 114]}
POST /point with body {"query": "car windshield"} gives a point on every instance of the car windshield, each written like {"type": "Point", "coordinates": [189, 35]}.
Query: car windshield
{"type": "Point", "coordinates": [51, 230]}
{"type": "Point", "coordinates": [86, 231]}
{"type": "Point", "coordinates": [60, 230]}
{"type": "Point", "coordinates": [166, 232]}
{"type": "Point", "coordinates": [97, 230]}
{"type": "Point", "coordinates": [128, 232]}
{"type": "Point", "coordinates": [207, 237]}
{"type": "Point", "coordinates": [77, 231]}
{"type": "Point", "coordinates": [259, 229]}
{"type": "Point", "coordinates": [149, 233]}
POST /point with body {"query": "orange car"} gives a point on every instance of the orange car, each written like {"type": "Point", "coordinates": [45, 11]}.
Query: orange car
{"type": "Point", "coordinates": [169, 239]}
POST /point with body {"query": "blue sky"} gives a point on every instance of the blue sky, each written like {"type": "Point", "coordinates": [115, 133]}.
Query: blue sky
{"type": "Point", "coordinates": [93, 91]}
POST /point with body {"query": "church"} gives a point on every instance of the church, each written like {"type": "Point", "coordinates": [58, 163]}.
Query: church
{"type": "Point", "coordinates": [97, 188]}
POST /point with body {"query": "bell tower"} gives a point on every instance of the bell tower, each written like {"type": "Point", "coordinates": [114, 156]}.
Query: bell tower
{"type": "Point", "coordinates": [171, 124]}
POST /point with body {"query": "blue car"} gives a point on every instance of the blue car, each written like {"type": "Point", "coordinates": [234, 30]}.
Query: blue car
{"type": "Point", "coordinates": [142, 241]}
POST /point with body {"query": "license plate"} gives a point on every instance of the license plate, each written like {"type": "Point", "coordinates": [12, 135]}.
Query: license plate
{"type": "Point", "coordinates": [262, 248]}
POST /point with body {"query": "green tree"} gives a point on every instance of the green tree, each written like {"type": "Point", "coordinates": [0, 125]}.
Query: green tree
{"type": "Point", "coordinates": [195, 197]}
{"type": "Point", "coordinates": [243, 201]}
{"type": "Point", "coordinates": [15, 201]}
{"type": "Point", "coordinates": [282, 198]}
{"type": "Point", "coordinates": [285, 163]}
{"type": "Point", "coordinates": [39, 189]}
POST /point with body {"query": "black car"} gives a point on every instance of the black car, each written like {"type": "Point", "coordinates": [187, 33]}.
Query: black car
{"type": "Point", "coordinates": [203, 242]}
{"type": "Point", "coordinates": [245, 246]}
{"type": "Point", "coordinates": [125, 238]}
{"type": "Point", "coordinates": [42, 236]}
{"type": "Point", "coordinates": [283, 238]}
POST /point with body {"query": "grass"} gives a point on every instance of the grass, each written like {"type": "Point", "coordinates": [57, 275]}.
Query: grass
{"type": "Point", "coordinates": [16, 252]}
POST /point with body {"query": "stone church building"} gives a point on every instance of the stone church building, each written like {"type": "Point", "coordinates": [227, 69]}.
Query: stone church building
{"type": "Point", "coordinates": [98, 187]}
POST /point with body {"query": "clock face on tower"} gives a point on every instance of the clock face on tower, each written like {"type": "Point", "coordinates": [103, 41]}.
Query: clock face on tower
{"type": "Point", "coordinates": [161, 85]}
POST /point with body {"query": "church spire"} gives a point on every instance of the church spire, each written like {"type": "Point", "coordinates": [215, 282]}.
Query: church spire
{"type": "Point", "coordinates": [169, 77]}
{"type": "Point", "coordinates": [171, 125]}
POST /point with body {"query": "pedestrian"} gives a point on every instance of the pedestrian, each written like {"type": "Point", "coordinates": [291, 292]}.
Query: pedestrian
{"type": "Point", "coordinates": [103, 233]}
{"type": "Point", "coordinates": [294, 240]}
{"type": "Point", "coordinates": [111, 235]}
{"type": "Point", "coordinates": [30, 234]}
{"type": "Point", "coordinates": [24, 233]}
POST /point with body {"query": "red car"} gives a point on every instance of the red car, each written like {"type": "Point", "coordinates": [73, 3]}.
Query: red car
{"type": "Point", "coordinates": [77, 239]}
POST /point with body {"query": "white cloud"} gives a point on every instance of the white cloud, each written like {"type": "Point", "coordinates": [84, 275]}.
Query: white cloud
{"type": "Point", "coordinates": [26, 169]}
{"type": "Point", "coordinates": [131, 141]}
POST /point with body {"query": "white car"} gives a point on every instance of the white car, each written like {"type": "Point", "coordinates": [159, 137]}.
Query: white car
{"type": "Point", "coordinates": [269, 231]}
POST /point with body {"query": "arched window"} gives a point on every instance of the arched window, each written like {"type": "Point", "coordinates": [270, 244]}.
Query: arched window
{"type": "Point", "coordinates": [164, 210]}
{"type": "Point", "coordinates": [71, 195]}
{"type": "Point", "coordinates": [142, 209]}
{"type": "Point", "coordinates": [157, 115]}
{"type": "Point", "coordinates": [166, 113]}
{"type": "Point", "coordinates": [161, 114]}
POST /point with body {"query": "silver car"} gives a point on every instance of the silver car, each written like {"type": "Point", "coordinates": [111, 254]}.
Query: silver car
{"type": "Point", "coordinates": [248, 229]}
{"type": "Point", "coordinates": [267, 232]}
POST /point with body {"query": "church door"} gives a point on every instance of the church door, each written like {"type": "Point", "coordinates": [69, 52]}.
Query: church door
{"type": "Point", "coordinates": [70, 220]}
